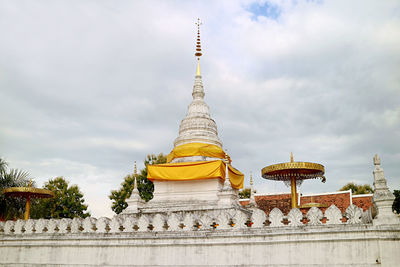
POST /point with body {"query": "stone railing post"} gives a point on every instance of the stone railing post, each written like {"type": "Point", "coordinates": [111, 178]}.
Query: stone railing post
{"type": "Point", "coordinates": [382, 198]}
{"type": "Point", "coordinates": [227, 196]}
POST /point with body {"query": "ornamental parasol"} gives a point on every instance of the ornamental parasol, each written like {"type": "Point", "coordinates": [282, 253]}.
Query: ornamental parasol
{"type": "Point", "coordinates": [294, 172]}
{"type": "Point", "coordinates": [27, 192]}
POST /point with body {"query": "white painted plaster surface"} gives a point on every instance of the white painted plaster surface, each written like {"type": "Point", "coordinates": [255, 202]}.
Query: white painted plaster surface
{"type": "Point", "coordinates": [344, 245]}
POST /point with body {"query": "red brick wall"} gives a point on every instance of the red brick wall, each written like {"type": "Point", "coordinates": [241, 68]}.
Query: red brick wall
{"type": "Point", "coordinates": [283, 201]}
{"type": "Point", "coordinates": [363, 202]}
{"type": "Point", "coordinates": [268, 202]}
{"type": "Point", "coordinates": [340, 200]}
{"type": "Point", "coordinates": [244, 203]}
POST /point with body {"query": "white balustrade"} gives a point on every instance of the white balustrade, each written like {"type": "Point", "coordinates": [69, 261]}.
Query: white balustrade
{"type": "Point", "coordinates": [353, 214]}
{"type": "Point", "coordinates": [173, 222]}
{"type": "Point", "coordinates": [240, 220]}
{"type": "Point", "coordinates": [224, 220]}
{"type": "Point", "coordinates": [314, 216]}
{"type": "Point", "coordinates": [52, 226]}
{"type": "Point", "coordinates": [115, 225]}
{"type": "Point", "coordinates": [76, 225]}
{"type": "Point", "coordinates": [9, 227]}
{"type": "Point", "coordinates": [189, 221]}
{"type": "Point", "coordinates": [333, 215]}
{"type": "Point", "coordinates": [102, 225]}
{"type": "Point", "coordinates": [295, 217]}
{"type": "Point", "coordinates": [29, 226]}
{"type": "Point", "coordinates": [40, 226]}
{"type": "Point", "coordinates": [143, 224]}
{"type": "Point", "coordinates": [19, 227]}
{"type": "Point", "coordinates": [205, 220]}
{"type": "Point", "coordinates": [2, 227]}
{"type": "Point", "coordinates": [275, 217]}
{"type": "Point", "coordinates": [158, 223]}
{"type": "Point", "coordinates": [258, 218]}
{"type": "Point", "coordinates": [64, 225]}
{"type": "Point", "coordinates": [128, 224]}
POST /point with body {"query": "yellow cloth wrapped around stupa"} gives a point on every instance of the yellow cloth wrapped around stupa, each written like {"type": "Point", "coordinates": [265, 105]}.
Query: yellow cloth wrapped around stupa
{"type": "Point", "coordinates": [195, 171]}
{"type": "Point", "coordinates": [196, 149]}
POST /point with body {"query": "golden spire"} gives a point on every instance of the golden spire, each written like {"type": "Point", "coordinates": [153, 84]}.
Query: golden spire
{"type": "Point", "coordinates": [135, 169]}
{"type": "Point", "coordinates": [198, 53]}
{"type": "Point", "coordinates": [291, 156]}
{"type": "Point", "coordinates": [135, 175]}
{"type": "Point", "coordinates": [251, 178]}
{"type": "Point", "coordinates": [198, 68]}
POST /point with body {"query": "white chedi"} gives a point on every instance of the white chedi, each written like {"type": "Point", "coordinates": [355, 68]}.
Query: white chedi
{"type": "Point", "coordinates": [198, 126]}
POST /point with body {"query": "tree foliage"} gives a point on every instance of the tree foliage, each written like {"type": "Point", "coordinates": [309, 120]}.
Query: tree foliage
{"type": "Point", "coordinates": [357, 189]}
{"type": "Point", "coordinates": [68, 202]}
{"type": "Point", "coordinates": [10, 207]}
{"type": "Point", "coordinates": [245, 193]}
{"type": "Point", "coordinates": [396, 202]}
{"type": "Point", "coordinates": [145, 186]}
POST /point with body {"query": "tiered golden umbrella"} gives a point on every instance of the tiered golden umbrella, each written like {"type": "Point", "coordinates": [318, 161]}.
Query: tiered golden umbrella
{"type": "Point", "coordinates": [27, 192]}
{"type": "Point", "coordinates": [294, 172]}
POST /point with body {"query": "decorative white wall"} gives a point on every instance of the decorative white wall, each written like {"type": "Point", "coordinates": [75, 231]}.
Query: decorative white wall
{"type": "Point", "coordinates": [203, 238]}
{"type": "Point", "coordinates": [223, 235]}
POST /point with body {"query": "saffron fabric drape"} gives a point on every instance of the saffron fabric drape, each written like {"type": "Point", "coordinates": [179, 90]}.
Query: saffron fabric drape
{"type": "Point", "coordinates": [195, 171]}
{"type": "Point", "coordinates": [196, 149]}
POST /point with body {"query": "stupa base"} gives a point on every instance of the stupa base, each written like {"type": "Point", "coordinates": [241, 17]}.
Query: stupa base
{"type": "Point", "coordinates": [184, 195]}
{"type": "Point", "coordinates": [193, 195]}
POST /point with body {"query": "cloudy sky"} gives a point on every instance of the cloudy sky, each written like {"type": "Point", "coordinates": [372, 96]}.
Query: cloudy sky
{"type": "Point", "coordinates": [88, 87]}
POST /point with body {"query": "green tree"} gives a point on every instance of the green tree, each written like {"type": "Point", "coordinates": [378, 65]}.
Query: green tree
{"type": "Point", "coordinates": [68, 201]}
{"type": "Point", "coordinates": [357, 189]}
{"type": "Point", "coordinates": [245, 193]}
{"type": "Point", "coordinates": [396, 202]}
{"type": "Point", "coordinates": [11, 208]}
{"type": "Point", "coordinates": [145, 186]}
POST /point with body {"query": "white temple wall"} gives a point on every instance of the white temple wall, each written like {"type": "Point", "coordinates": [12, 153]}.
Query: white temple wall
{"type": "Point", "coordinates": [212, 235]}
{"type": "Point", "coordinates": [339, 245]}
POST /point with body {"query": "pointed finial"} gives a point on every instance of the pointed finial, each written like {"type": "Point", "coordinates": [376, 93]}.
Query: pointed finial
{"type": "Point", "coordinates": [198, 73]}
{"type": "Point", "coordinates": [198, 48]}
{"type": "Point", "coordinates": [198, 44]}
{"type": "Point", "coordinates": [226, 168]}
{"type": "Point", "coordinates": [135, 184]}
{"type": "Point", "coordinates": [377, 160]}
{"type": "Point", "coordinates": [30, 183]}
{"type": "Point", "coordinates": [135, 169]}
{"type": "Point", "coordinates": [252, 202]}
{"type": "Point", "coordinates": [226, 157]}
{"type": "Point", "coordinates": [291, 156]}
{"type": "Point", "coordinates": [135, 175]}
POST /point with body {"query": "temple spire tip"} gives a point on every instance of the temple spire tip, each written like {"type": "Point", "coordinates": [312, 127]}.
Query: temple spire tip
{"type": "Point", "coordinates": [198, 53]}
{"type": "Point", "coordinates": [135, 169]}
{"type": "Point", "coordinates": [198, 73]}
